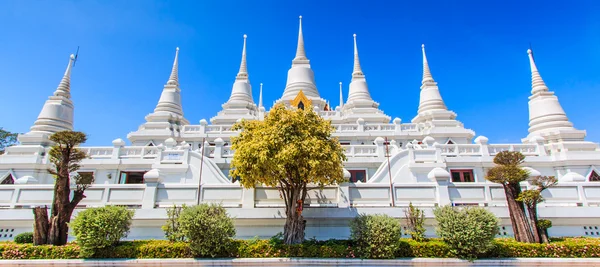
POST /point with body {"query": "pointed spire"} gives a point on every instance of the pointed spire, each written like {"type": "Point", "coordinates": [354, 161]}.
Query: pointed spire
{"type": "Point", "coordinates": [341, 96]}
{"type": "Point", "coordinates": [537, 84]}
{"type": "Point", "coordinates": [426, 72]}
{"type": "Point", "coordinates": [64, 87]}
{"type": "Point", "coordinates": [300, 52]}
{"type": "Point", "coordinates": [357, 72]}
{"type": "Point", "coordinates": [260, 100]}
{"type": "Point", "coordinates": [243, 73]}
{"type": "Point", "coordinates": [174, 78]}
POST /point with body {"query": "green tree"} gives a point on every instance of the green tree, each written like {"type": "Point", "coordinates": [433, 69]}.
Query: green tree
{"type": "Point", "coordinates": [6, 139]}
{"type": "Point", "coordinates": [64, 158]}
{"type": "Point", "coordinates": [208, 228]}
{"type": "Point", "coordinates": [468, 231]}
{"type": "Point", "coordinates": [509, 174]}
{"type": "Point", "coordinates": [171, 227]}
{"type": "Point", "coordinates": [531, 198]}
{"type": "Point", "coordinates": [100, 228]}
{"type": "Point", "coordinates": [291, 149]}
{"type": "Point", "coordinates": [415, 219]}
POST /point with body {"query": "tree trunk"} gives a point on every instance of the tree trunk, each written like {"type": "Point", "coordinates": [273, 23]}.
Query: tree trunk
{"type": "Point", "coordinates": [517, 213]}
{"type": "Point", "coordinates": [544, 236]}
{"type": "Point", "coordinates": [533, 220]}
{"type": "Point", "coordinates": [293, 232]}
{"type": "Point", "coordinates": [40, 225]}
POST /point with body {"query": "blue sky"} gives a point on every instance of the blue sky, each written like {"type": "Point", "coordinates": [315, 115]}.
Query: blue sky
{"type": "Point", "coordinates": [476, 51]}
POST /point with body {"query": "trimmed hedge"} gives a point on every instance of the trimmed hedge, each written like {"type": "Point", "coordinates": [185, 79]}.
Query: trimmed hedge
{"type": "Point", "coordinates": [435, 248]}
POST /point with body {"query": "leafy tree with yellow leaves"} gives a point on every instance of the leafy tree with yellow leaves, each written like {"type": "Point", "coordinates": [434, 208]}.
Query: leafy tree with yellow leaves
{"type": "Point", "coordinates": [293, 150]}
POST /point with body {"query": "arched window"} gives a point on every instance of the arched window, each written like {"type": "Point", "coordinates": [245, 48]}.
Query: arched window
{"type": "Point", "coordinates": [594, 177]}
{"type": "Point", "coordinates": [301, 105]}
{"type": "Point", "coordinates": [449, 142]}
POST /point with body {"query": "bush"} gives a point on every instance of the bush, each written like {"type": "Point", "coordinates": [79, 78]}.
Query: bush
{"type": "Point", "coordinates": [98, 228]}
{"type": "Point", "coordinates": [163, 249]}
{"type": "Point", "coordinates": [375, 236]}
{"type": "Point", "coordinates": [415, 219]}
{"type": "Point", "coordinates": [171, 227]}
{"type": "Point", "coordinates": [208, 228]}
{"type": "Point", "coordinates": [24, 238]}
{"type": "Point", "coordinates": [468, 231]}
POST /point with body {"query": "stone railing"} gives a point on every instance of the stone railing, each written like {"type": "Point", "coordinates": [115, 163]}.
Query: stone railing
{"type": "Point", "coordinates": [429, 194]}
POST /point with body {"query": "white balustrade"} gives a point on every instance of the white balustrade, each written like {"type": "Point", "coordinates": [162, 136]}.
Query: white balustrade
{"type": "Point", "coordinates": [98, 152]}
{"type": "Point", "coordinates": [361, 150]}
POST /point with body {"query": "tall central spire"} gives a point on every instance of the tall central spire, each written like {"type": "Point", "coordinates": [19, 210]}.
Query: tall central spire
{"type": "Point", "coordinates": [300, 52]}
{"type": "Point", "coordinates": [64, 87]}
{"type": "Point", "coordinates": [357, 72]}
{"type": "Point", "coordinates": [301, 77]}
{"type": "Point", "coordinates": [243, 73]}
{"type": "Point", "coordinates": [174, 77]}
{"type": "Point", "coordinates": [426, 72]}
{"type": "Point", "coordinates": [537, 84]}
{"type": "Point", "coordinates": [431, 104]}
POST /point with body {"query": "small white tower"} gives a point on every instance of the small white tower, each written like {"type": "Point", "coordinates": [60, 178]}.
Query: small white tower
{"type": "Point", "coordinates": [240, 104]}
{"type": "Point", "coordinates": [359, 103]}
{"type": "Point", "coordinates": [547, 118]}
{"type": "Point", "coordinates": [56, 115]}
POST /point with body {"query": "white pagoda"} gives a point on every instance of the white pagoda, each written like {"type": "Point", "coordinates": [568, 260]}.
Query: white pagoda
{"type": "Point", "coordinates": [433, 160]}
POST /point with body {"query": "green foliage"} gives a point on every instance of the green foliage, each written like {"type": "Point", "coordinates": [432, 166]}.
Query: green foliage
{"type": "Point", "coordinates": [544, 224]}
{"type": "Point", "coordinates": [290, 145]}
{"type": "Point", "coordinates": [530, 197]}
{"type": "Point", "coordinates": [468, 231]}
{"type": "Point", "coordinates": [508, 170]}
{"type": "Point", "coordinates": [6, 139]}
{"type": "Point", "coordinates": [171, 227]}
{"type": "Point", "coordinates": [375, 236]}
{"type": "Point", "coordinates": [98, 228]}
{"type": "Point", "coordinates": [415, 219]}
{"type": "Point", "coordinates": [208, 228]}
{"type": "Point", "coordinates": [255, 248]}
{"type": "Point", "coordinates": [24, 238]}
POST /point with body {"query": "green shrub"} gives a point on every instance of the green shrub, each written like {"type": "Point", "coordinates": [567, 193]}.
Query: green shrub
{"type": "Point", "coordinates": [544, 224]}
{"type": "Point", "coordinates": [98, 228]}
{"type": "Point", "coordinates": [208, 228]}
{"type": "Point", "coordinates": [171, 227]}
{"type": "Point", "coordinates": [256, 248]}
{"type": "Point", "coordinates": [468, 231]}
{"type": "Point", "coordinates": [24, 238]}
{"type": "Point", "coordinates": [375, 236]}
{"type": "Point", "coordinates": [415, 219]}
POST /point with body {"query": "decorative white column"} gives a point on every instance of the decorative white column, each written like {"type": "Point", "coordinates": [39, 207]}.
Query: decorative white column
{"type": "Point", "coordinates": [442, 177]}
{"type": "Point", "coordinates": [117, 145]}
{"type": "Point", "coordinates": [151, 179]}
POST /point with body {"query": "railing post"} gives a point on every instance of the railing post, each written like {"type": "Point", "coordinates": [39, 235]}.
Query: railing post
{"type": "Point", "coordinates": [397, 125]}
{"type": "Point", "coordinates": [152, 179]}
{"type": "Point", "coordinates": [379, 142]}
{"type": "Point", "coordinates": [361, 124]}
{"type": "Point", "coordinates": [539, 142]}
{"type": "Point", "coordinates": [248, 198]}
{"type": "Point", "coordinates": [219, 148]}
{"type": "Point", "coordinates": [117, 145]}
{"type": "Point", "coordinates": [343, 195]}
{"type": "Point", "coordinates": [482, 141]}
{"type": "Point", "coordinates": [203, 124]}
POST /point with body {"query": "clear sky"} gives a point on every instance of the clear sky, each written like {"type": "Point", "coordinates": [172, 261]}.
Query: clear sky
{"type": "Point", "coordinates": [476, 51]}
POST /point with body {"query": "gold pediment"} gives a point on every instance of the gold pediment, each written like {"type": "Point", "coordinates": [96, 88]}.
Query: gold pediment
{"type": "Point", "coordinates": [301, 98]}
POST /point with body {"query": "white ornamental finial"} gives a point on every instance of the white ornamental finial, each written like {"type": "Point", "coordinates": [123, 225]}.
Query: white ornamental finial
{"type": "Point", "coordinates": [174, 78]}
{"type": "Point", "coordinates": [243, 73]}
{"type": "Point", "coordinates": [426, 72]}
{"type": "Point", "coordinates": [260, 99]}
{"type": "Point", "coordinates": [357, 72]}
{"type": "Point", "coordinates": [341, 97]}
{"type": "Point", "coordinates": [300, 52]}
{"type": "Point", "coordinates": [64, 87]}
{"type": "Point", "coordinates": [537, 84]}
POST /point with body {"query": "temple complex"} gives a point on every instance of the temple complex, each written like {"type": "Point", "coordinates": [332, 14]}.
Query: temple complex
{"type": "Point", "coordinates": [430, 160]}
